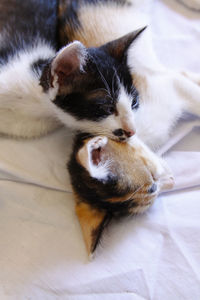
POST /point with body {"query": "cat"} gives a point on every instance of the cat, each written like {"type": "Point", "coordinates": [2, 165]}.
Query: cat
{"type": "Point", "coordinates": [164, 94]}
{"type": "Point", "coordinates": [111, 179]}
{"type": "Point", "coordinates": [99, 176]}
{"type": "Point", "coordinates": [42, 87]}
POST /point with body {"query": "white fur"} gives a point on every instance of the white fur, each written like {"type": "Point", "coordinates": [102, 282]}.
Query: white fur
{"type": "Point", "coordinates": [99, 171]}
{"type": "Point", "coordinates": [164, 94]}
{"type": "Point", "coordinates": [125, 112]}
{"type": "Point", "coordinates": [24, 108]}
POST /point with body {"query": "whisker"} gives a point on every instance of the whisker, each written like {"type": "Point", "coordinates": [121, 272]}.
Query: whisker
{"type": "Point", "coordinates": [114, 76]}
{"type": "Point", "coordinates": [100, 89]}
{"type": "Point", "coordinates": [104, 81]}
{"type": "Point", "coordinates": [137, 190]}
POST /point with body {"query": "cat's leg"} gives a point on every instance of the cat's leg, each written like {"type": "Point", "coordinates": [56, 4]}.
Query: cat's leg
{"type": "Point", "coordinates": [195, 77]}
{"type": "Point", "coordinates": [188, 90]}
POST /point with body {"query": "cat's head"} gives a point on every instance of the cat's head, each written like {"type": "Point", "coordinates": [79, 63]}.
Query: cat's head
{"type": "Point", "coordinates": [93, 87]}
{"type": "Point", "coordinates": [112, 179]}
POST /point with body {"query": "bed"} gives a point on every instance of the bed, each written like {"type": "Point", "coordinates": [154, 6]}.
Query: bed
{"type": "Point", "coordinates": [152, 256]}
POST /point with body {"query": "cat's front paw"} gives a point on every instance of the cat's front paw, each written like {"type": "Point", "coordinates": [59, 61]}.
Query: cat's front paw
{"type": "Point", "coordinates": [165, 178]}
{"type": "Point", "coordinates": [195, 77]}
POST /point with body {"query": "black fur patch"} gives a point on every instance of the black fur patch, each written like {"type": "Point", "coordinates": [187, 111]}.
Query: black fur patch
{"type": "Point", "coordinates": [68, 15]}
{"type": "Point", "coordinates": [103, 73]}
{"type": "Point", "coordinates": [97, 233]}
{"type": "Point", "coordinates": [24, 22]}
{"type": "Point", "coordinates": [38, 66]}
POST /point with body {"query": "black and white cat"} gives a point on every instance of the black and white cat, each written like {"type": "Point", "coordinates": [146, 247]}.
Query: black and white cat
{"type": "Point", "coordinates": [86, 89]}
{"type": "Point", "coordinates": [93, 89]}
{"type": "Point", "coordinates": [164, 94]}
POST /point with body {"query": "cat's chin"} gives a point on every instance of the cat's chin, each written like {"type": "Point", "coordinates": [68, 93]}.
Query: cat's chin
{"type": "Point", "coordinates": [121, 140]}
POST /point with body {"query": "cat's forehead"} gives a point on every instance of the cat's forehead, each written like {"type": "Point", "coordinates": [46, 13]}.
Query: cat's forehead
{"type": "Point", "coordinates": [107, 67]}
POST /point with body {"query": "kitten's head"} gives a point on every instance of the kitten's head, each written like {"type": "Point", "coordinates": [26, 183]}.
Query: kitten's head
{"type": "Point", "coordinates": [112, 179]}
{"type": "Point", "coordinates": [93, 87]}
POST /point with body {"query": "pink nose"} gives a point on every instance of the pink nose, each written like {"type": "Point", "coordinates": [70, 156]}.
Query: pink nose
{"type": "Point", "coordinates": [129, 133]}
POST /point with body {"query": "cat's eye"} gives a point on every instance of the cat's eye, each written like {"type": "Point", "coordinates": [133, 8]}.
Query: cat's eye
{"type": "Point", "coordinates": [135, 102]}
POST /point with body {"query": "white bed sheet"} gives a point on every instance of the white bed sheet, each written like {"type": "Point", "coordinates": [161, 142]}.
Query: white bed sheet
{"type": "Point", "coordinates": [154, 256]}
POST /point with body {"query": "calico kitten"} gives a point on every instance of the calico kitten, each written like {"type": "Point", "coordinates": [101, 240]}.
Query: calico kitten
{"type": "Point", "coordinates": [164, 94]}
{"type": "Point", "coordinates": [86, 89]}
{"type": "Point", "coordinates": [112, 179]}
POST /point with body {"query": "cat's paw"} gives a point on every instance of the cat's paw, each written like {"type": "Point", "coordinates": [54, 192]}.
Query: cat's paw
{"type": "Point", "coordinates": [161, 173]}
{"type": "Point", "coordinates": [166, 178]}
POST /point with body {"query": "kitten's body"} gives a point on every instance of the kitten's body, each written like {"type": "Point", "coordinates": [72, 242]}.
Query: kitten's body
{"type": "Point", "coordinates": [164, 94]}
{"type": "Point", "coordinates": [41, 89]}
{"type": "Point", "coordinates": [112, 179]}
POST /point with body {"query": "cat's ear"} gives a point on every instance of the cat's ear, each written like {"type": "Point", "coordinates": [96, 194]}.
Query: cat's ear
{"type": "Point", "coordinates": [67, 62]}
{"type": "Point", "coordinates": [119, 47]}
{"type": "Point", "coordinates": [93, 223]}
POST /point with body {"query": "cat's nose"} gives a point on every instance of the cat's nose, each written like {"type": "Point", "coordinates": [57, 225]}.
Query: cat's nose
{"type": "Point", "coordinates": [152, 189]}
{"type": "Point", "coordinates": [120, 132]}
{"type": "Point", "coordinates": [129, 133]}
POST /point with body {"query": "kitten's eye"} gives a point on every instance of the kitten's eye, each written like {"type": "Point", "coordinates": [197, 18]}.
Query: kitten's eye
{"type": "Point", "coordinates": [135, 102]}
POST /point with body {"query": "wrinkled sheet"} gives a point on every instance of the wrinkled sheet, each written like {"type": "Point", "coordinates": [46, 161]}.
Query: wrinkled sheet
{"type": "Point", "coordinates": [153, 256]}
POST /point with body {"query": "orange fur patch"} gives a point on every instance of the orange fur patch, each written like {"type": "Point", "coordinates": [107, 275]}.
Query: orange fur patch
{"type": "Point", "coordinates": [90, 219]}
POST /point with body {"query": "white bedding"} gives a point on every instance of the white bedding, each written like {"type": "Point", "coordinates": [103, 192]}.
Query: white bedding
{"type": "Point", "coordinates": [155, 256]}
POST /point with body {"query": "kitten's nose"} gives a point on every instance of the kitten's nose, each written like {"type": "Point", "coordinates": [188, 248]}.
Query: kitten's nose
{"type": "Point", "coordinates": [120, 132]}
{"type": "Point", "coordinates": [129, 133]}
{"type": "Point", "coordinates": [152, 189]}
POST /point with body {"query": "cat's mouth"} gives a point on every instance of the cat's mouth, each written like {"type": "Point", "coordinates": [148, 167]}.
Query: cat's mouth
{"type": "Point", "coordinates": [120, 139]}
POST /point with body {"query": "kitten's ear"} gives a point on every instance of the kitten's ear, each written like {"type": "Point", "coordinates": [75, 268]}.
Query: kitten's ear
{"type": "Point", "coordinates": [93, 223]}
{"type": "Point", "coordinates": [119, 47]}
{"type": "Point", "coordinates": [68, 61]}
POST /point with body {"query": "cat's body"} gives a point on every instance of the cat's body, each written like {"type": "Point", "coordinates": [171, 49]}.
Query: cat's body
{"type": "Point", "coordinates": [26, 39]}
{"type": "Point", "coordinates": [102, 99]}
{"type": "Point", "coordinates": [164, 95]}
{"type": "Point", "coordinates": [40, 89]}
